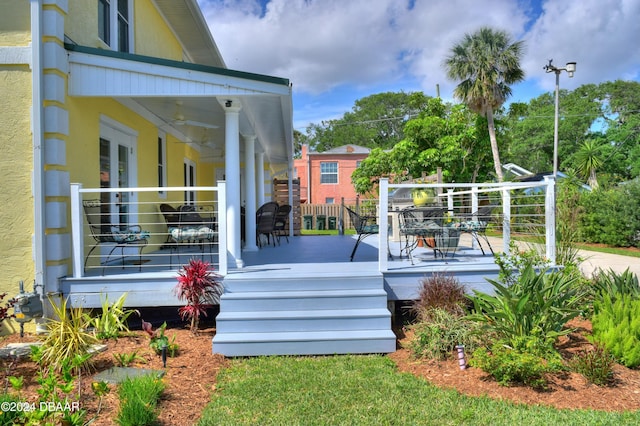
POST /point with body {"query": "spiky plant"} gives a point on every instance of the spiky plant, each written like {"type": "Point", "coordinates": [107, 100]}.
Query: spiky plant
{"type": "Point", "coordinates": [197, 285]}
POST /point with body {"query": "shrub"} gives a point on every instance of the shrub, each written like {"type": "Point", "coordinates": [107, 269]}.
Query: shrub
{"type": "Point", "coordinates": [615, 285]}
{"type": "Point", "coordinates": [616, 325]}
{"type": "Point", "coordinates": [197, 284]}
{"type": "Point", "coordinates": [531, 313]}
{"type": "Point", "coordinates": [440, 291]}
{"type": "Point", "coordinates": [611, 216]}
{"type": "Point", "coordinates": [437, 337]}
{"type": "Point", "coordinates": [508, 365]}
{"type": "Point", "coordinates": [512, 264]}
{"type": "Point", "coordinates": [113, 319]}
{"type": "Point", "coordinates": [67, 337]}
{"type": "Point", "coordinates": [595, 365]}
{"type": "Point", "coordinates": [158, 340]}
{"type": "Point", "coordinates": [138, 400]}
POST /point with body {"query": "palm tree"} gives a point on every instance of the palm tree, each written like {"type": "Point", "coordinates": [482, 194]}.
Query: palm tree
{"type": "Point", "coordinates": [486, 62]}
{"type": "Point", "coordinates": [588, 161]}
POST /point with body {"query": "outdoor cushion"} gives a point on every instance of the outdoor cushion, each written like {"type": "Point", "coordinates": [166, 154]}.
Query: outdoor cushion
{"type": "Point", "coordinates": [191, 233]}
{"type": "Point", "coordinates": [129, 235]}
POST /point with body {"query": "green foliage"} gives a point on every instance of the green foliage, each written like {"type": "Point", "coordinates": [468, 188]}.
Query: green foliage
{"type": "Point", "coordinates": [442, 135]}
{"type": "Point", "coordinates": [138, 400]}
{"type": "Point", "coordinates": [508, 365]}
{"type": "Point", "coordinates": [54, 394]}
{"type": "Point", "coordinates": [612, 216]}
{"type": "Point", "coordinates": [595, 365]}
{"type": "Point", "coordinates": [616, 325]}
{"type": "Point", "coordinates": [158, 340]}
{"type": "Point", "coordinates": [530, 313]}
{"type": "Point", "coordinates": [374, 121]}
{"type": "Point", "coordinates": [515, 261]}
{"type": "Point", "coordinates": [614, 285]}
{"type": "Point", "coordinates": [112, 321]}
{"type": "Point", "coordinates": [126, 359]}
{"type": "Point", "coordinates": [441, 291]}
{"type": "Point", "coordinates": [67, 337]}
{"type": "Point", "coordinates": [437, 336]}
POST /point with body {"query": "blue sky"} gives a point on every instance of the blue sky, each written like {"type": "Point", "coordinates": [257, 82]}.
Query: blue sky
{"type": "Point", "coordinates": [337, 51]}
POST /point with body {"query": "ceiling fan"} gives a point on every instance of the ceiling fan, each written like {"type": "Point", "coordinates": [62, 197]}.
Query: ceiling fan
{"type": "Point", "coordinates": [179, 120]}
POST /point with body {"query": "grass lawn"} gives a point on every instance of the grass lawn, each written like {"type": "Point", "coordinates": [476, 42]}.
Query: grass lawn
{"type": "Point", "coordinates": [364, 390]}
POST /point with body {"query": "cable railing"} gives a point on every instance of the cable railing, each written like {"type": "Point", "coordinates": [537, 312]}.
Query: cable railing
{"type": "Point", "coordinates": [525, 209]}
{"type": "Point", "coordinates": [132, 230]}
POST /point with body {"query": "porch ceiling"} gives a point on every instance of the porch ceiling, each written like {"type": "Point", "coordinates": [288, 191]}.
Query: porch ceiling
{"type": "Point", "coordinates": [161, 90]}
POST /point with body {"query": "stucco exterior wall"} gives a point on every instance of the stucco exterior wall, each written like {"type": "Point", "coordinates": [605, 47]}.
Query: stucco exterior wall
{"type": "Point", "coordinates": [152, 36]}
{"type": "Point", "coordinates": [16, 163]}
{"type": "Point", "coordinates": [15, 23]}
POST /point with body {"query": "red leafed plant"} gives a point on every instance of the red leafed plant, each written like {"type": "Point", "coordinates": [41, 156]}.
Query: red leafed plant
{"type": "Point", "coordinates": [197, 284]}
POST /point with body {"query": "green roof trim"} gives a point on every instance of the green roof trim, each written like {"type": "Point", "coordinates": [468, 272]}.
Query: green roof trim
{"type": "Point", "coordinates": [177, 64]}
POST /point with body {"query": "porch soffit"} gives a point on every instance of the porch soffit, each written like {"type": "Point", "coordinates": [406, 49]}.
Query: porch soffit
{"type": "Point", "coordinates": [156, 84]}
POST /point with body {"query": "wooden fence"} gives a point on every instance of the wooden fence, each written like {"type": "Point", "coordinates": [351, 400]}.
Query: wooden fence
{"type": "Point", "coordinates": [333, 214]}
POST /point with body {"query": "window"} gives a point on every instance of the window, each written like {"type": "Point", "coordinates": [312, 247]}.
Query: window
{"type": "Point", "coordinates": [329, 172]}
{"type": "Point", "coordinates": [189, 180]}
{"type": "Point", "coordinates": [114, 23]}
{"type": "Point", "coordinates": [162, 164]}
{"type": "Point", "coordinates": [329, 200]}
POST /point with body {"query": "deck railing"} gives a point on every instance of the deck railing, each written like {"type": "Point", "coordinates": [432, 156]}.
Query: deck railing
{"type": "Point", "coordinates": [123, 207]}
{"type": "Point", "coordinates": [527, 208]}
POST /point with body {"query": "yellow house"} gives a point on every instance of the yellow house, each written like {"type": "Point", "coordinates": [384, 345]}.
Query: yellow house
{"type": "Point", "coordinates": [124, 94]}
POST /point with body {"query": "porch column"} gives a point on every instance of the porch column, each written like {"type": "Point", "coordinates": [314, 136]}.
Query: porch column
{"type": "Point", "coordinates": [250, 192]}
{"type": "Point", "coordinates": [260, 177]}
{"type": "Point", "coordinates": [232, 108]}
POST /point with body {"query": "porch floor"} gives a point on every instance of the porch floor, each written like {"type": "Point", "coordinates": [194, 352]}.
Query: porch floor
{"type": "Point", "coordinates": [311, 256]}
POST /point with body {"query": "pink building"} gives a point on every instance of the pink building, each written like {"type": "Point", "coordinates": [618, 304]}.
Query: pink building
{"type": "Point", "coordinates": [325, 177]}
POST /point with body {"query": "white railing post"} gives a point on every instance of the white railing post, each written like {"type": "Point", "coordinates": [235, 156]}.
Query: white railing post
{"type": "Point", "coordinates": [474, 213]}
{"type": "Point", "coordinates": [506, 220]}
{"type": "Point", "coordinates": [450, 201]}
{"type": "Point", "coordinates": [77, 237]}
{"type": "Point", "coordinates": [383, 227]}
{"type": "Point", "coordinates": [550, 218]}
{"type": "Point", "coordinates": [222, 227]}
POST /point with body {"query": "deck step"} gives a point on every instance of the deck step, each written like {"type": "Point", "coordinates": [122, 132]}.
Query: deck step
{"type": "Point", "coordinates": [308, 320]}
{"type": "Point", "coordinates": [302, 300]}
{"type": "Point", "coordinates": [313, 314]}
{"type": "Point", "coordinates": [305, 343]}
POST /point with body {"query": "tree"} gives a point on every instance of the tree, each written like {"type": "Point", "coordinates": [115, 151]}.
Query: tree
{"type": "Point", "coordinates": [375, 121]}
{"type": "Point", "coordinates": [487, 62]}
{"type": "Point", "coordinates": [589, 160]}
{"type": "Point", "coordinates": [442, 136]}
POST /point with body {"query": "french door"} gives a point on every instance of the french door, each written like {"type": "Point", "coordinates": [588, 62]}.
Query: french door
{"type": "Point", "coordinates": [118, 170]}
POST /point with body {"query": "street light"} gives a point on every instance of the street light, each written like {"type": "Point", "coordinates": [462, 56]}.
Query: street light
{"type": "Point", "coordinates": [570, 68]}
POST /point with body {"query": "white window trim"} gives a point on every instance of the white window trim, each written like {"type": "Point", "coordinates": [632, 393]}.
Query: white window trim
{"type": "Point", "coordinates": [337, 174]}
{"type": "Point", "coordinates": [113, 30]}
{"type": "Point", "coordinates": [162, 136]}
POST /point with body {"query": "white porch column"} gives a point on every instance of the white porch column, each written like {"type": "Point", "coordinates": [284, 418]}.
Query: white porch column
{"type": "Point", "coordinates": [250, 192]}
{"type": "Point", "coordinates": [232, 174]}
{"type": "Point", "coordinates": [260, 177]}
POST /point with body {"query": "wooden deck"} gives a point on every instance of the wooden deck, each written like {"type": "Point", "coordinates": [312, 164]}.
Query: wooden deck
{"type": "Point", "coordinates": [303, 255]}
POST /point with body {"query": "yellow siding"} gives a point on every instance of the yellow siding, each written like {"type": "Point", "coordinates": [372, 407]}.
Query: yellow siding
{"type": "Point", "coordinates": [83, 152]}
{"type": "Point", "coordinates": [152, 36]}
{"type": "Point", "coordinates": [15, 23]}
{"type": "Point", "coordinates": [16, 163]}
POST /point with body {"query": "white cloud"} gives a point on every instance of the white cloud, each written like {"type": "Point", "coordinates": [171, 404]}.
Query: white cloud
{"type": "Point", "coordinates": [332, 45]}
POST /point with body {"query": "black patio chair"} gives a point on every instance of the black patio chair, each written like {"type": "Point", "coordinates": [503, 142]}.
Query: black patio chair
{"type": "Point", "coordinates": [265, 222]}
{"type": "Point", "coordinates": [280, 225]}
{"type": "Point", "coordinates": [420, 224]}
{"type": "Point", "coordinates": [364, 226]}
{"type": "Point", "coordinates": [476, 225]}
{"type": "Point", "coordinates": [103, 232]}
